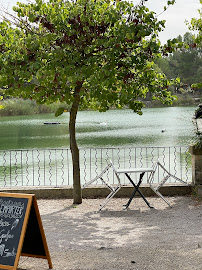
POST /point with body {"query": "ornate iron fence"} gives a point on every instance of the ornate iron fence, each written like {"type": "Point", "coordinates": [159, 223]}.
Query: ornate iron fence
{"type": "Point", "coordinates": [53, 167]}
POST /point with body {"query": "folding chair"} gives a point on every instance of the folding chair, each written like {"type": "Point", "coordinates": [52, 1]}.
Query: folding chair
{"type": "Point", "coordinates": [113, 189]}
{"type": "Point", "coordinates": [156, 187]}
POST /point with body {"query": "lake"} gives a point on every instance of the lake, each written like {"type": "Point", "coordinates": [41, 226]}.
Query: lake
{"type": "Point", "coordinates": [167, 126]}
{"type": "Point", "coordinates": [121, 135]}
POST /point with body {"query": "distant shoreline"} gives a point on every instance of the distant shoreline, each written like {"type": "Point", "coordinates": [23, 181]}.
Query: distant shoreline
{"type": "Point", "coordinates": [16, 106]}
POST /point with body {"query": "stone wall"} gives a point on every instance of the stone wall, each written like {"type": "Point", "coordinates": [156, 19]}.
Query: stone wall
{"type": "Point", "coordinates": [99, 191]}
{"type": "Point", "coordinates": [196, 165]}
{"type": "Point", "coordinates": [196, 152]}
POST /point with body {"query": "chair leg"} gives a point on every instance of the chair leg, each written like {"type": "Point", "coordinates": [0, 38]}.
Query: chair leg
{"type": "Point", "coordinates": [160, 195]}
{"type": "Point", "coordinates": [156, 189]}
{"type": "Point", "coordinates": [109, 197]}
{"type": "Point", "coordinates": [113, 190]}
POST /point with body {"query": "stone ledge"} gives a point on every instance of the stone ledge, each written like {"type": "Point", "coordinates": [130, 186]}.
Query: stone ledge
{"type": "Point", "coordinates": [98, 192]}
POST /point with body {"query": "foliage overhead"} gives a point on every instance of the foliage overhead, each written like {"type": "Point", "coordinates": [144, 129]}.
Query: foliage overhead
{"type": "Point", "coordinates": [1, 106]}
{"type": "Point", "coordinates": [103, 50]}
{"type": "Point", "coordinates": [196, 24]}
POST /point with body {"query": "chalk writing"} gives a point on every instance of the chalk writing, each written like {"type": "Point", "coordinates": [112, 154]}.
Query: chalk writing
{"type": "Point", "coordinates": [10, 209]}
{"type": "Point", "coordinates": [5, 236]}
{"type": "Point", "coordinates": [4, 252]}
{"type": "Point", "coordinates": [4, 223]}
{"type": "Point", "coordinates": [7, 253]}
{"type": "Point", "coordinates": [15, 224]}
{"type": "Point", "coordinates": [2, 247]}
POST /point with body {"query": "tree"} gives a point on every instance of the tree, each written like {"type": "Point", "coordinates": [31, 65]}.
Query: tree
{"type": "Point", "coordinates": [196, 24]}
{"type": "Point", "coordinates": [86, 53]}
{"type": "Point", "coordinates": [185, 63]}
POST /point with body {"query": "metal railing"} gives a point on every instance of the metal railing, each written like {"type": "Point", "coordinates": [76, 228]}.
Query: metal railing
{"type": "Point", "coordinates": [53, 167]}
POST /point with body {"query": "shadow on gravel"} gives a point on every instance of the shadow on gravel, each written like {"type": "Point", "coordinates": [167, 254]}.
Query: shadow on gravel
{"type": "Point", "coordinates": [81, 238]}
{"type": "Point", "coordinates": [69, 228]}
{"type": "Point", "coordinates": [72, 228]}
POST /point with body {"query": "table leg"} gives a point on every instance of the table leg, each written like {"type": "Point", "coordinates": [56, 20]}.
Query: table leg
{"type": "Point", "coordinates": [136, 190]}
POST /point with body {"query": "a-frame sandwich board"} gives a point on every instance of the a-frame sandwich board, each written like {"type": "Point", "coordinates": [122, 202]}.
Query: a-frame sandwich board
{"type": "Point", "coordinates": [21, 230]}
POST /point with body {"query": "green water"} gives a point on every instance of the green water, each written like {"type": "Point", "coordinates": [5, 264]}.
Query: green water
{"type": "Point", "coordinates": [110, 129]}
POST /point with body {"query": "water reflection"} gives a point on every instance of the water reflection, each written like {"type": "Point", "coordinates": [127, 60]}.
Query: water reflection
{"type": "Point", "coordinates": [113, 128]}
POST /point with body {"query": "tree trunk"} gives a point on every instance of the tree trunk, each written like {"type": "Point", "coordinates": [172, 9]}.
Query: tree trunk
{"type": "Point", "coordinates": [77, 198]}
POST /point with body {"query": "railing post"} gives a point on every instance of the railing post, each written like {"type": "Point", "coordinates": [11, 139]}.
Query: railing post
{"type": "Point", "coordinates": [196, 168]}
{"type": "Point", "coordinates": [196, 151]}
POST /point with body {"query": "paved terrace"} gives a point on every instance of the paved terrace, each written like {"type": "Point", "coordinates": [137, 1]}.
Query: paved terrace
{"type": "Point", "coordinates": [80, 238]}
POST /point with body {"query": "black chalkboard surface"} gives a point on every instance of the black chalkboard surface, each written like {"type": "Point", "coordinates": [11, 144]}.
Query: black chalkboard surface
{"type": "Point", "coordinates": [21, 230]}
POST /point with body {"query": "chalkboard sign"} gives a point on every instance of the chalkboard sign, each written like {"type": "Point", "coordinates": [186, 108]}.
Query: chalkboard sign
{"type": "Point", "coordinates": [21, 230]}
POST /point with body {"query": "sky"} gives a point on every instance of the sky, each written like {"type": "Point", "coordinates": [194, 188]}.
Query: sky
{"type": "Point", "coordinates": [175, 15]}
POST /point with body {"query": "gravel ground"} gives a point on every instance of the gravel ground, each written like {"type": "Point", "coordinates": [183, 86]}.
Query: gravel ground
{"type": "Point", "coordinates": [140, 238]}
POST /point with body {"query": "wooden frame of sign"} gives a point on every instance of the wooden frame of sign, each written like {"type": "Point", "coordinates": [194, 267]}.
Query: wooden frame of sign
{"type": "Point", "coordinates": [21, 230]}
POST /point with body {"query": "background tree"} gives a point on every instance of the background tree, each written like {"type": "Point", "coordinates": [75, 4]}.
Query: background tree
{"type": "Point", "coordinates": [196, 24]}
{"type": "Point", "coordinates": [86, 53]}
{"type": "Point", "coordinates": [185, 63]}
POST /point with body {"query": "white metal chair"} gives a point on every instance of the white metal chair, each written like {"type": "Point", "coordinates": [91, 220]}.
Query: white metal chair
{"type": "Point", "coordinates": [113, 189]}
{"type": "Point", "coordinates": [156, 187]}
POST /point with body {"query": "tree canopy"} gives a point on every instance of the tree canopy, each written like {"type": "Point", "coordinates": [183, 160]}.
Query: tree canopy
{"type": "Point", "coordinates": [196, 24]}
{"type": "Point", "coordinates": [86, 53]}
{"type": "Point", "coordinates": [185, 63]}
{"type": "Point", "coordinates": [101, 46]}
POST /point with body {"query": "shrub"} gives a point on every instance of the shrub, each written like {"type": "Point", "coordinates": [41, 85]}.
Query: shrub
{"type": "Point", "coordinates": [18, 106]}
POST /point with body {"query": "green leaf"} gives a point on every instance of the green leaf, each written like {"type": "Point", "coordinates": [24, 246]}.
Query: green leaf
{"type": "Point", "coordinates": [177, 80]}
{"type": "Point", "coordinates": [59, 111]}
{"type": "Point", "coordinates": [197, 85]}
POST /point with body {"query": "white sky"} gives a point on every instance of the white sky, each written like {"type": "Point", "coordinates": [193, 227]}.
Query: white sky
{"type": "Point", "coordinates": [175, 16]}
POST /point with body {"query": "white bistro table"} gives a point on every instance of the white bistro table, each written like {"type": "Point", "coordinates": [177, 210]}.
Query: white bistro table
{"type": "Point", "coordinates": [141, 171]}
